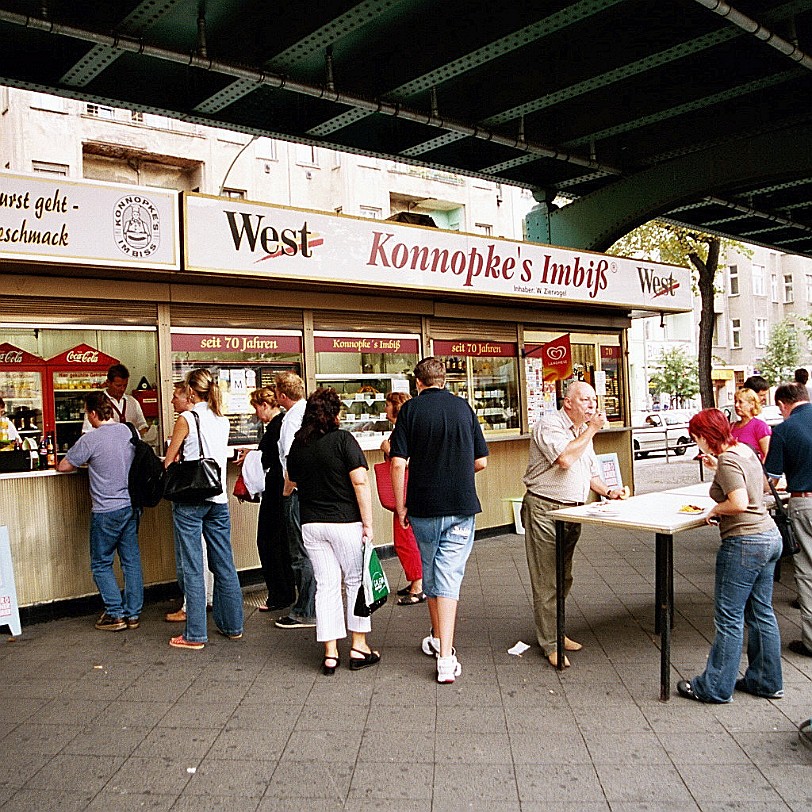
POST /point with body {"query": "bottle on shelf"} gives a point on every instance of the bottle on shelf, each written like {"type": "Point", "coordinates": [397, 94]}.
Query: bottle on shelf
{"type": "Point", "coordinates": [50, 451]}
{"type": "Point", "coordinates": [43, 453]}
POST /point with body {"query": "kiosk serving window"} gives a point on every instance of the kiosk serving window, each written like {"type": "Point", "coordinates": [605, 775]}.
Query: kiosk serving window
{"type": "Point", "coordinates": [554, 359]}
{"type": "Point", "coordinates": [485, 373]}
{"type": "Point", "coordinates": [47, 373]}
{"type": "Point", "coordinates": [363, 368]}
{"type": "Point", "coordinates": [240, 361]}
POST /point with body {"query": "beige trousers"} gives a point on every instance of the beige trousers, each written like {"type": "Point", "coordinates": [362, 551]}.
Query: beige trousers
{"type": "Point", "coordinates": [539, 540]}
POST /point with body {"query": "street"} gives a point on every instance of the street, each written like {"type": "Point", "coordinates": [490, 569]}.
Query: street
{"type": "Point", "coordinates": [656, 473]}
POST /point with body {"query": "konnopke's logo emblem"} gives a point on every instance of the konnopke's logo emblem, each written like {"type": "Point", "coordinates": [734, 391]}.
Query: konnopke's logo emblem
{"type": "Point", "coordinates": [137, 226]}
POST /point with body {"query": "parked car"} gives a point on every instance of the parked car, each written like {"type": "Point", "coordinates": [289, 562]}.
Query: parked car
{"type": "Point", "coordinates": [661, 431]}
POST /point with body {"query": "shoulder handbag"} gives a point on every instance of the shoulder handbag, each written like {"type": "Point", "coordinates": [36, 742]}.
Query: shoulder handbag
{"type": "Point", "coordinates": [784, 524]}
{"type": "Point", "coordinates": [374, 589]}
{"type": "Point", "coordinates": [242, 493]}
{"type": "Point", "coordinates": [190, 481]}
{"type": "Point", "coordinates": [383, 482]}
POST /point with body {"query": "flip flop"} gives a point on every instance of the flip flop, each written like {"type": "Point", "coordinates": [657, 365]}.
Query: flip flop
{"type": "Point", "coordinates": [412, 598]}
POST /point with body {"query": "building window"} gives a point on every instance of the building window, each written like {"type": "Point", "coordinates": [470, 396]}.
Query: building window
{"type": "Point", "coordinates": [306, 155]}
{"type": "Point", "coordinates": [774, 286]}
{"type": "Point", "coordinates": [733, 276]}
{"type": "Point", "coordinates": [788, 294]}
{"type": "Point", "coordinates": [758, 280]}
{"type": "Point", "coordinates": [735, 333]}
{"type": "Point", "coordinates": [100, 111]}
{"type": "Point", "coordinates": [370, 211]}
{"type": "Point", "coordinates": [136, 116]}
{"type": "Point", "coordinates": [235, 194]}
{"type": "Point", "coordinates": [45, 168]}
{"type": "Point", "coordinates": [483, 228]}
{"type": "Point", "coordinates": [761, 332]}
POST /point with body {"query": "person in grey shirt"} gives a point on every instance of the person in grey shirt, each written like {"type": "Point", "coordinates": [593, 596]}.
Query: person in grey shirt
{"type": "Point", "coordinates": [108, 454]}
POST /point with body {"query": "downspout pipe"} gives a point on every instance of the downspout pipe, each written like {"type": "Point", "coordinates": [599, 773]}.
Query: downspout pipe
{"type": "Point", "coordinates": [750, 26]}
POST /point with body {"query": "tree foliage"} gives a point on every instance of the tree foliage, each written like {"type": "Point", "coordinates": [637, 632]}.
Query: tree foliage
{"type": "Point", "coordinates": [664, 242]}
{"type": "Point", "coordinates": [782, 353]}
{"type": "Point", "coordinates": [677, 374]}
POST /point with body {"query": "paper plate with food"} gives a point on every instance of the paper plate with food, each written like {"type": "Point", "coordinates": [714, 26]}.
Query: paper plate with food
{"type": "Point", "coordinates": [691, 509]}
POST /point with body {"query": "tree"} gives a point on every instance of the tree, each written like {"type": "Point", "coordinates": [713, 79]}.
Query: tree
{"type": "Point", "coordinates": [781, 354]}
{"type": "Point", "coordinates": [677, 374]}
{"type": "Point", "coordinates": [664, 242]}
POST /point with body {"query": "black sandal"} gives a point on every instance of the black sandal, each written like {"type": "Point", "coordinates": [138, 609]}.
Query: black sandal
{"type": "Point", "coordinates": [411, 598]}
{"type": "Point", "coordinates": [369, 658]}
{"type": "Point", "coordinates": [329, 670]}
{"type": "Point", "coordinates": [407, 590]}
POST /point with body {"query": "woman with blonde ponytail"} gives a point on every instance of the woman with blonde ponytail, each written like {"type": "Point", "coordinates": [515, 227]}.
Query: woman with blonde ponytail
{"type": "Point", "coordinates": [209, 517]}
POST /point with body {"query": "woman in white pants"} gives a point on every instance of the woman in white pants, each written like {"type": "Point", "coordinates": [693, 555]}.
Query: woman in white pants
{"type": "Point", "coordinates": [330, 472]}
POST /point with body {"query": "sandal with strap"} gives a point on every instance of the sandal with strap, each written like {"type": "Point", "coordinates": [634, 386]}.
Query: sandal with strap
{"type": "Point", "coordinates": [411, 598]}
{"type": "Point", "coordinates": [329, 670]}
{"type": "Point", "coordinates": [369, 658]}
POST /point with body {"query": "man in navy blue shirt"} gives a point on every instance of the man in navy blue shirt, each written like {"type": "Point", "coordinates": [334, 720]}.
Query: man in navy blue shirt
{"type": "Point", "coordinates": [791, 454]}
{"type": "Point", "coordinates": [440, 436]}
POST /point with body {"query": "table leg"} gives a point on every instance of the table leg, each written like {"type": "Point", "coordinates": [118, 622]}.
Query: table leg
{"type": "Point", "coordinates": [664, 589]}
{"type": "Point", "coordinates": [559, 593]}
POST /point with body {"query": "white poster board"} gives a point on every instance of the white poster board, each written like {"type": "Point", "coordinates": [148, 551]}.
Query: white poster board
{"type": "Point", "coordinates": [9, 611]}
{"type": "Point", "coordinates": [610, 470]}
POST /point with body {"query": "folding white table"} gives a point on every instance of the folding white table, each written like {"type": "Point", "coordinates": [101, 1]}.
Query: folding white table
{"type": "Point", "coordinates": [658, 512]}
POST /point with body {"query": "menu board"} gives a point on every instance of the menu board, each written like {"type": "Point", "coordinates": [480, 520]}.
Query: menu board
{"type": "Point", "coordinates": [541, 398]}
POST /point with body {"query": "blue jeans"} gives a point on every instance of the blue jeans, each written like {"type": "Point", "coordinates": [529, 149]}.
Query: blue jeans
{"type": "Point", "coordinates": [213, 521]}
{"type": "Point", "coordinates": [305, 606]}
{"type": "Point", "coordinates": [744, 593]}
{"type": "Point", "coordinates": [117, 531]}
{"type": "Point", "coordinates": [445, 543]}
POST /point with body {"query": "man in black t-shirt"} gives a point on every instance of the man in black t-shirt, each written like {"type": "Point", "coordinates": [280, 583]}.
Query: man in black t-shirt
{"type": "Point", "coordinates": [440, 436]}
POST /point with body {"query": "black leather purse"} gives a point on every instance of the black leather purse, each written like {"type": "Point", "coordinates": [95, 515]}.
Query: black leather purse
{"type": "Point", "coordinates": [191, 481]}
{"type": "Point", "coordinates": [784, 524]}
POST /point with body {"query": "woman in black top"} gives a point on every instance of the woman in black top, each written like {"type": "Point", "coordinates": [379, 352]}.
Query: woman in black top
{"type": "Point", "coordinates": [330, 472]}
{"type": "Point", "coordinates": [274, 557]}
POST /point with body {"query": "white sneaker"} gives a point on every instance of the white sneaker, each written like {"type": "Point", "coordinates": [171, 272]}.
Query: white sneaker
{"type": "Point", "coordinates": [448, 669]}
{"type": "Point", "coordinates": [431, 645]}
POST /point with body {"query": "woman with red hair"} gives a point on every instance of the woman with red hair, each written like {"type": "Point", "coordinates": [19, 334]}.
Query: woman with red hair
{"type": "Point", "coordinates": [751, 546]}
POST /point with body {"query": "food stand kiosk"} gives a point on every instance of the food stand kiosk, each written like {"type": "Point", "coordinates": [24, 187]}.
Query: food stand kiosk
{"type": "Point", "coordinates": [348, 302]}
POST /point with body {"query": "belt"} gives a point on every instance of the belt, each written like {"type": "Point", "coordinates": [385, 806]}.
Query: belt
{"type": "Point", "coordinates": [559, 502]}
{"type": "Point", "coordinates": [800, 494]}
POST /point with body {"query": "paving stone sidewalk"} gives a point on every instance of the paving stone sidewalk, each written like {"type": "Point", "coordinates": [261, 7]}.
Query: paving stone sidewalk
{"type": "Point", "coordinates": [120, 721]}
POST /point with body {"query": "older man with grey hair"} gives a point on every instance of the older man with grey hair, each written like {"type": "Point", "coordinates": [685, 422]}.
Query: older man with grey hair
{"type": "Point", "coordinates": [561, 471]}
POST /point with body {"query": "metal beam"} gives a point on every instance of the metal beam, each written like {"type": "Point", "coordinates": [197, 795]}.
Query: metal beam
{"type": "Point", "coordinates": [749, 25]}
{"type": "Point", "coordinates": [682, 109]}
{"type": "Point", "coordinates": [280, 82]}
{"type": "Point", "coordinates": [353, 19]}
{"type": "Point", "coordinates": [595, 221]}
{"type": "Point", "coordinates": [576, 12]}
{"type": "Point", "coordinates": [99, 57]}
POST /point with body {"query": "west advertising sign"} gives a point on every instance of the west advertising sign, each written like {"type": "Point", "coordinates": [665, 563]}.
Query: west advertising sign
{"type": "Point", "coordinates": [259, 240]}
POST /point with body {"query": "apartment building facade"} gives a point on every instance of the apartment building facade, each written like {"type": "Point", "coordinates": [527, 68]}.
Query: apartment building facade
{"type": "Point", "coordinates": [49, 134]}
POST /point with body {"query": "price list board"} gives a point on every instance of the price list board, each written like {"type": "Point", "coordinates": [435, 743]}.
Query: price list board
{"type": "Point", "coordinates": [541, 398]}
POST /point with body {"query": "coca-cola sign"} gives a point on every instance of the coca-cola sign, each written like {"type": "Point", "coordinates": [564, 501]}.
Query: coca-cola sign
{"type": "Point", "coordinates": [85, 357]}
{"type": "Point", "coordinates": [9, 354]}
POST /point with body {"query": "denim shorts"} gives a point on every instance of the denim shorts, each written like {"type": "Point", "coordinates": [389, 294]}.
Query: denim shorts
{"type": "Point", "coordinates": [445, 543]}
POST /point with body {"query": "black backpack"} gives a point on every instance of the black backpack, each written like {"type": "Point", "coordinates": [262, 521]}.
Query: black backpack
{"type": "Point", "coordinates": [145, 481]}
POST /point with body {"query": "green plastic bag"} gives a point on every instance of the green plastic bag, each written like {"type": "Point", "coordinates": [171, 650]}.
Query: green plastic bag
{"type": "Point", "coordinates": [374, 589]}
